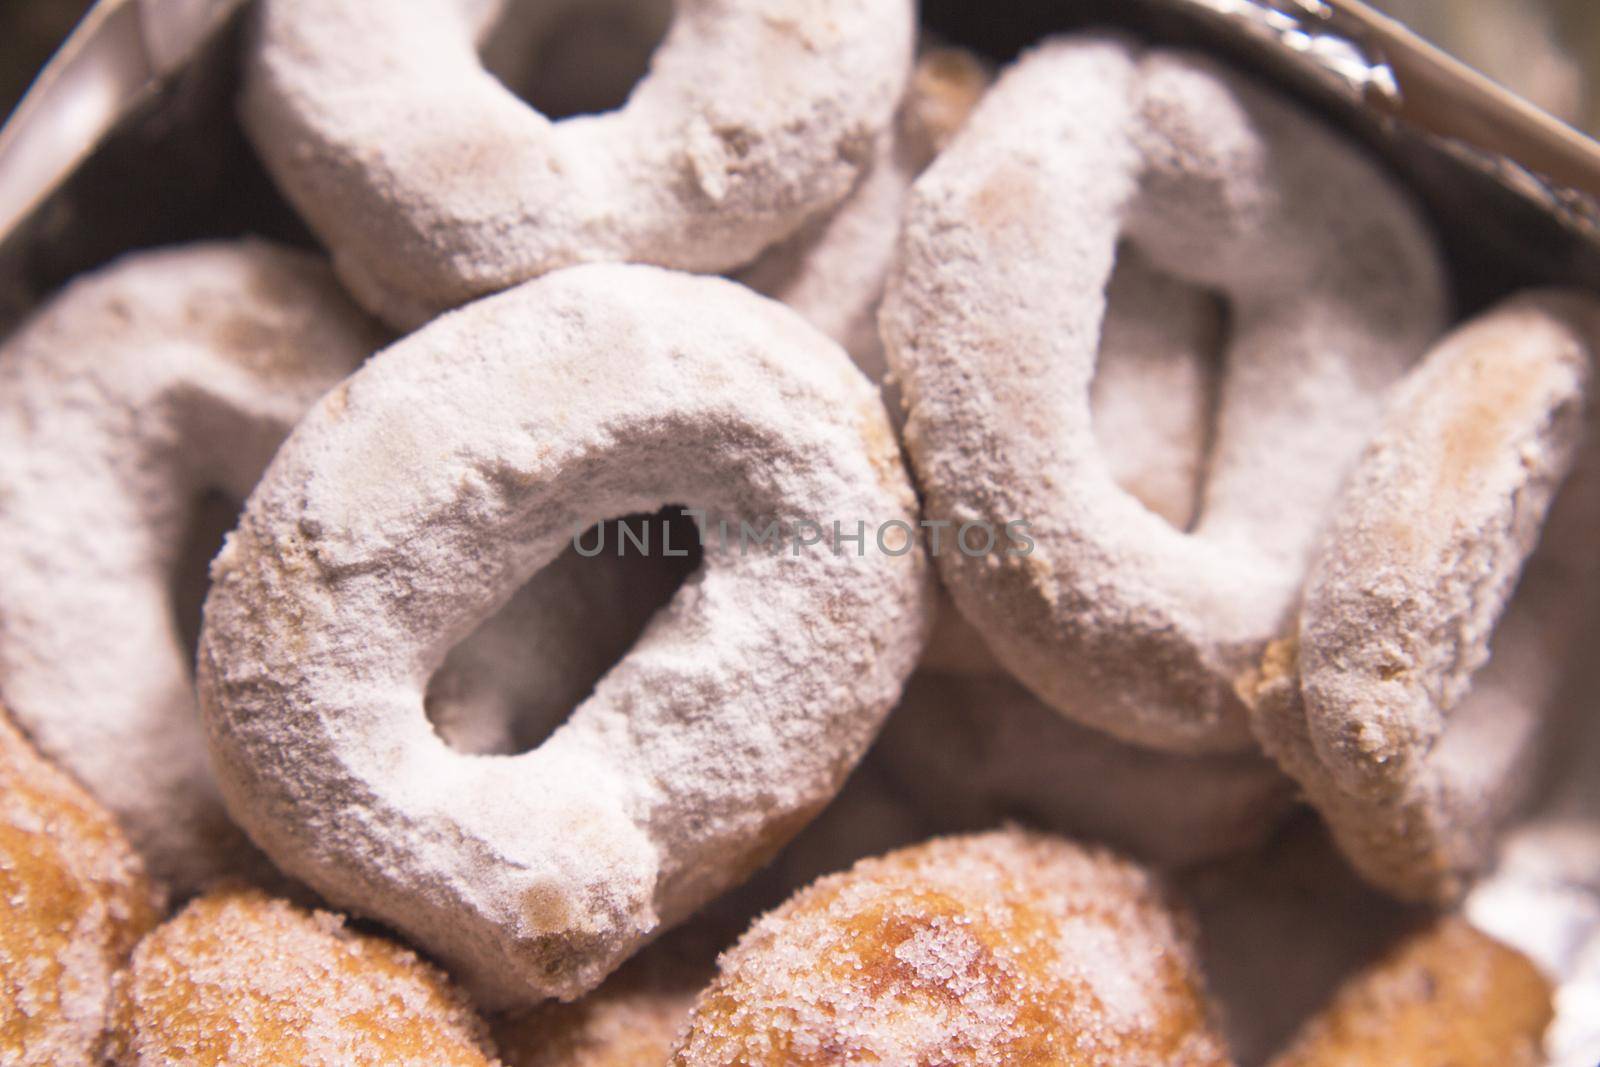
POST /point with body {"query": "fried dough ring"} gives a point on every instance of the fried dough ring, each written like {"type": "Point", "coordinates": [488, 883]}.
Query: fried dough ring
{"type": "Point", "coordinates": [1407, 736]}
{"type": "Point", "coordinates": [135, 391]}
{"type": "Point", "coordinates": [422, 493]}
{"type": "Point", "coordinates": [433, 184]}
{"type": "Point", "coordinates": [992, 323]}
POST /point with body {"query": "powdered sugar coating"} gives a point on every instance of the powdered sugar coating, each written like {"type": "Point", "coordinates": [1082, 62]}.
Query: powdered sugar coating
{"type": "Point", "coordinates": [996, 949]}
{"type": "Point", "coordinates": [133, 392]}
{"type": "Point", "coordinates": [1152, 404]}
{"type": "Point", "coordinates": [424, 491]}
{"type": "Point", "coordinates": [973, 752]}
{"type": "Point", "coordinates": [238, 977]}
{"type": "Point", "coordinates": [992, 322]}
{"type": "Point", "coordinates": [432, 184]}
{"type": "Point", "coordinates": [1407, 736]}
{"type": "Point", "coordinates": [74, 899]}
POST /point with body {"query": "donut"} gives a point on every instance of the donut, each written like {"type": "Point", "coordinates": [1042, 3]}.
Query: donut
{"type": "Point", "coordinates": [387, 529]}
{"type": "Point", "coordinates": [74, 899]}
{"type": "Point", "coordinates": [632, 1020]}
{"type": "Point", "coordinates": [993, 316]}
{"type": "Point", "coordinates": [241, 977]}
{"type": "Point", "coordinates": [1449, 994]}
{"type": "Point", "coordinates": [974, 752]}
{"type": "Point", "coordinates": [833, 269]}
{"type": "Point", "coordinates": [132, 394]}
{"type": "Point", "coordinates": [994, 949]}
{"type": "Point", "coordinates": [432, 184]}
{"type": "Point", "coordinates": [1405, 734]}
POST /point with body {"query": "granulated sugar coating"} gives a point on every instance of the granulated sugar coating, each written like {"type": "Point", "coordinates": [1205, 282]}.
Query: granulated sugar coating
{"type": "Point", "coordinates": [241, 978]}
{"type": "Point", "coordinates": [1001, 948]}
{"type": "Point", "coordinates": [1450, 995]}
{"type": "Point", "coordinates": [74, 900]}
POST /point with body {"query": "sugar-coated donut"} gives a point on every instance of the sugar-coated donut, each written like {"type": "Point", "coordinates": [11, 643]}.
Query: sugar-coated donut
{"type": "Point", "coordinates": [239, 977]}
{"type": "Point", "coordinates": [993, 317]}
{"type": "Point", "coordinates": [996, 949]}
{"type": "Point", "coordinates": [74, 899]}
{"type": "Point", "coordinates": [130, 395]}
{"type": "Point", "coordinates": [433, 184]}
{"type": "Point", "coordinates": [1406, 735]}
{"type": "Point", "coordinates": [1447, 995]}
{"type": "Point", "coordinates": [973, 752]}
{"type": "Point", "coordinates": [420, 494]}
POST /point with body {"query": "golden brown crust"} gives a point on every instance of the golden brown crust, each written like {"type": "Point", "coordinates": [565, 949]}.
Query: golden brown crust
{"type": "Point", "coordinates": [74, 899]}
{"type": "Point", "coordinates": [1001, 948]}
{"type": "Point", "coordinates": [239, 977]}
{"type": "Point", "coordinates": [1449, 996]}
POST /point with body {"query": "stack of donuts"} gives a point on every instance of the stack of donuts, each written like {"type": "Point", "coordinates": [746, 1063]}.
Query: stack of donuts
{"type": "Point", "coordinates": [860, 553]}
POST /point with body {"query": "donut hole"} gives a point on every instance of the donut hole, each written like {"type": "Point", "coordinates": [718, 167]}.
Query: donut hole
{"type": "Point", "coordinates": [575, 58]}
{"type": "Point", "coordinates": [515, 679]}
{"type": "Point", "coordinates": [1154, 396]}
{"type": "Point", "coordinates": [213, 515]}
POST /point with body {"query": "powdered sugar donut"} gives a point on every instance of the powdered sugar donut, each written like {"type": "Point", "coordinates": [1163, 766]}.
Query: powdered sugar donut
{"type": "Point", "coordinates": [420, 494]}
{"type": "Point", "coordinates": [989, 950]}
{"type": "Point", "coordinates": [975, 752]}
{"type": "Point", "coordinates": [1406, 735]}
{"type": "Point", "coordinates": [433, 184]}
{"type": "Point", "coordinates": [132, 393]}
{"type": "Point", "coordinates": [992, 321]}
